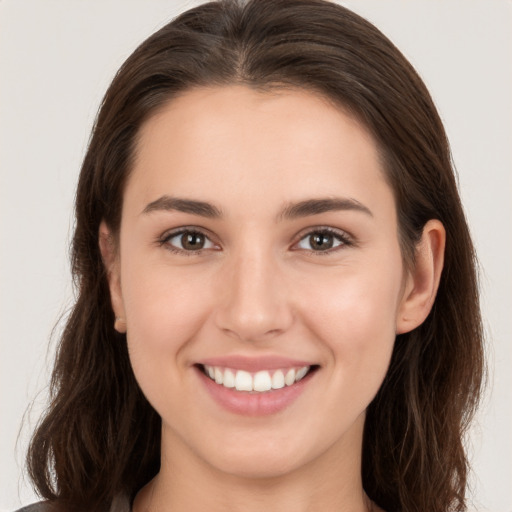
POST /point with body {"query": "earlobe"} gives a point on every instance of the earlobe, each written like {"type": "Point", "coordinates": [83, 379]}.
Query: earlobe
{"type": "Point", "coordinates": [110, 257]}
{"type": "Point", "coordinates": [120, 325]}
{"type": "Point", "coordinates": [423, 280]}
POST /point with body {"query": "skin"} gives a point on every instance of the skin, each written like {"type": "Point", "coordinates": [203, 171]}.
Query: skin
{"type": "Point", "coordinates": [258, 288]}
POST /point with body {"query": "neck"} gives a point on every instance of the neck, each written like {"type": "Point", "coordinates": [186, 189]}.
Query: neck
{"type": "Point", "coordinates": [330, 482]}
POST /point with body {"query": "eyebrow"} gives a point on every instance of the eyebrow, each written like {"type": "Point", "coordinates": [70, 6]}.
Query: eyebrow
{"type": "Point", "coordinates": [290, 211]}
{"type": "Point", "coordinates": [168, 203]}
{"type": "Point", "coordinates": [317, 206]}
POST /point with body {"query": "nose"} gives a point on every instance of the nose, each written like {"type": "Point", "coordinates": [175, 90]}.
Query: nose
{"type": "Point", "coordinates": [254, 304]}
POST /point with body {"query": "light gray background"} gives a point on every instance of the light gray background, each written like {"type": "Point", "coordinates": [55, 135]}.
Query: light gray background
{"type": "Point", "coordinates": [56, 60]}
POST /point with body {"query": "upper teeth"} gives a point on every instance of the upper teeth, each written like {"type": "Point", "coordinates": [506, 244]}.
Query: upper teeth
{"type": "Point", "coordinates": [260, 381]}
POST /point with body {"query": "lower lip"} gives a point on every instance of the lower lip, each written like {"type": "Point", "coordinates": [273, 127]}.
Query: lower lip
{"type": "Point", "coordinates": [254, 404]}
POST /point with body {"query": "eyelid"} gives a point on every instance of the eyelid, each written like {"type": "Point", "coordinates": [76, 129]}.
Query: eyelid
{"type": "Point", "coordinates": [346, 239]}
{"type": "Point", "coordinates": [170, 234]}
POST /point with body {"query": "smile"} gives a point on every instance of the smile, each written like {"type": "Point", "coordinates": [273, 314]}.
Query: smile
{"type": "Point", "coordinates": [255, 387]}
{"type": "Point", "coordinates": [259, 382]}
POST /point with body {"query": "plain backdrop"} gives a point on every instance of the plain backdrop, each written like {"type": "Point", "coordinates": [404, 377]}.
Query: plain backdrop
{"type": "Point", "coordinates": [57, 58]}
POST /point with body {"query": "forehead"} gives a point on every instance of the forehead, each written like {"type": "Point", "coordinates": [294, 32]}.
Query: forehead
{"type": "Point", "coordinates": [211, 112]}
{"type": "Point", "coordinates": [234, 139]}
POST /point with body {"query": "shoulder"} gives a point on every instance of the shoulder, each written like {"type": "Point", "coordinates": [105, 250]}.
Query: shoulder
{"type": "Point", "coordinates": [119, 504]}
{"type": "Point", "coordinates": [42, 506]}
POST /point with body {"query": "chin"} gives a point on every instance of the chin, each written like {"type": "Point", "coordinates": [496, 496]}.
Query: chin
{"type": "Point", "coordinates": [261, 469]}
{"type": "Point", "coordinates": [259, 460]}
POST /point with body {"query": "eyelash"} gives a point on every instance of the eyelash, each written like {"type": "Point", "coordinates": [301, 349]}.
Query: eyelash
{"type": "Point", "coordinates": [342, 237]}
{"type": "Point", "coordinates": [167, 237]}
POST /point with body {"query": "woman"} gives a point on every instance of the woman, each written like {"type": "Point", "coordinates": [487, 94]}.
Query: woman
{"type": "Point", "coordinates": [277, 300]}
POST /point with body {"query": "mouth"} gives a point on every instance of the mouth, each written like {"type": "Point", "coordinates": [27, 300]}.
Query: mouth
{"type": "Point", "coordinates": [255, 386]}
{"type": "Point", "coordinates": [262, 381]}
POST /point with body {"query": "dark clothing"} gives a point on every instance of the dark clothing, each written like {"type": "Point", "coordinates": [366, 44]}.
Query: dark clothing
{"type": "Point", "coordinates": [42, 506]}
{"type": "Point", "coordinates": [120, 504]}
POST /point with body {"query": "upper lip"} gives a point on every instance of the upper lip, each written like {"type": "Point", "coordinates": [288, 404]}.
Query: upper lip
{"type": "Point", "coordinates": [254, 364]}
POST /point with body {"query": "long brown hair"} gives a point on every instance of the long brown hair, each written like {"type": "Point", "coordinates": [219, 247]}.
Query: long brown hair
{"type": "Point", "coordinates": [100, 437]}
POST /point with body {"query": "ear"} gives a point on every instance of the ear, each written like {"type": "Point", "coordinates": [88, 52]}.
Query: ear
{"type": "Point", "coordinates": [422, 281]}
{"type": "Point", "coordinates": [110, 256]}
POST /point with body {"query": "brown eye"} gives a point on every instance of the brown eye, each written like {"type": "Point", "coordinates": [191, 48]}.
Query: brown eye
{"type": "Point", "coordinates": [323, 240]}
{"type": "Point", "coordinates": [188, 241]}
{"type": "Point", "coordinates": [192, 241]}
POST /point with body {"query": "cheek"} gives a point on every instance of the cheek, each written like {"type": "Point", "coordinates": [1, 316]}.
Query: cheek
{"type": "Point", "coordinates": [353, 311]}
{"type": "Point", "coordinates": [164, 309]}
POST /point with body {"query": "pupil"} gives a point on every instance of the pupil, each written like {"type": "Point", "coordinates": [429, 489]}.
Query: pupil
{"type": "Point", "coordinates": [192, 241]}
{"type": "Point", "coordinates": [321, 241]}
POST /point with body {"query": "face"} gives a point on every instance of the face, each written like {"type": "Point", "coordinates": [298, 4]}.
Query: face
{"type": "Point", "coordinates": [258, 249]}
